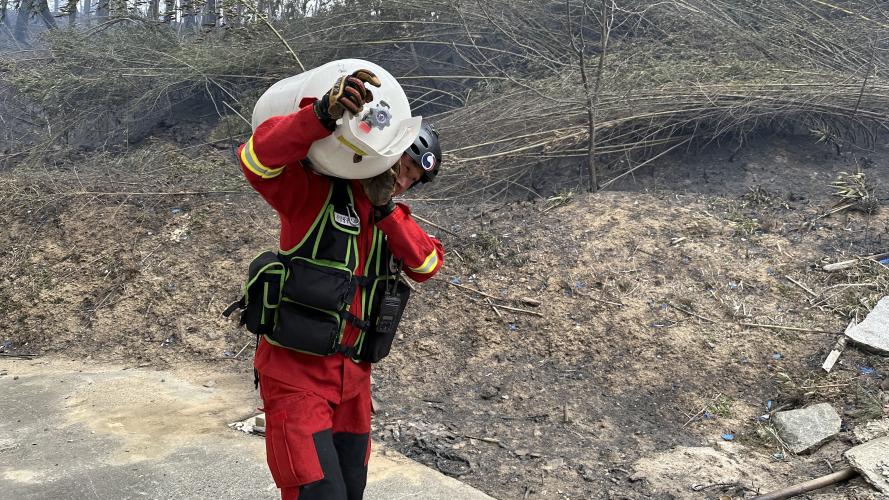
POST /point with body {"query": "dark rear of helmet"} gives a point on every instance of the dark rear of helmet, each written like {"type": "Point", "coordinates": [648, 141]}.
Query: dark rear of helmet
{"type": "Point", "coordinates": [426, 151]}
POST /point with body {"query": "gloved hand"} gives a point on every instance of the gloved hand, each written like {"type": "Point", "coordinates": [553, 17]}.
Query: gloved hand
{"type": "Point", "coordinates": [379, 189]}
{"type": "Point", "coordinates": [348, 93]}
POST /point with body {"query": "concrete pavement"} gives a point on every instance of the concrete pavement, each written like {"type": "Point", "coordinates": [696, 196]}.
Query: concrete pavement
{"type": "Point", "coordinates": [77, 431]}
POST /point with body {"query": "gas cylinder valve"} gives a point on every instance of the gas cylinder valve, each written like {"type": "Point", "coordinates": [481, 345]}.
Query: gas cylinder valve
{"type": "Point", "coordinates": [379, 116]}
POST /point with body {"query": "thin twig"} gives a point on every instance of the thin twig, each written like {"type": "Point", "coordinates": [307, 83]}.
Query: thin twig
{"type": "Point", "coordinates": [499, 315]}
{"type": "Point", "coordinates": [415, 216]}
{"type": "Point", "coordinates": [806, 289]}
{"type": "Point", "coordinates": [780, 327]}
{"type": "Point", "coordinates": [696, 315]}
{"type": "Point", "coordinates": [516, 309]}
{"type": "Point", "coordinates": [702, 410]}
{"type": "Point", "coordinates": [250, 6]}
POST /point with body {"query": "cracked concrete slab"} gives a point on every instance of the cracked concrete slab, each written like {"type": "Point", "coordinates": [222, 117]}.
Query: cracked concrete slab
{"type": "Point", "coordinates": [871, 460]}
{"type": "Point", "coordinates": [73, 431]}
{"type": "Point", "coordinates": [806, 429]}
{"type": "Point", "coordinates": [873, 332]}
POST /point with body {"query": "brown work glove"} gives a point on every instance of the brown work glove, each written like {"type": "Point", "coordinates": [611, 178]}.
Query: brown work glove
{"type": "Point", "coordinates": [379, 189]}
{"type": "Point", "coordinates": [348, 93]}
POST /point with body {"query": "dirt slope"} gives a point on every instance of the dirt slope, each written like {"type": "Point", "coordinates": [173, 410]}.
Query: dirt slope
{"type": "Point", "coordinates": [641, 289]}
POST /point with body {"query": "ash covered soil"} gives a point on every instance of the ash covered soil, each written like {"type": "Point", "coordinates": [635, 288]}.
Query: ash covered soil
{"type": "Point", "coordinates": [574, 345]}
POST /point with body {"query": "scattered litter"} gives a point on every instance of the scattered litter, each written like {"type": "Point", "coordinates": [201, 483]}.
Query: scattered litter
{"type": "Point", "coordinates": [776, 356]}
{"type": "Point", "coordinates": [834, 355]}
{"type": "Point", "coordinates": [866, 370]}
{"type": "Point", "coordinates": [456, 280]}
{"type": "Point", "coordinates": [728, 437]}
{"type": "Point", "coordinates": [252, 425]}
{"type": "Point", "coordinates": [884, 261]}
{"type": "Point", "coordinates": [512, 326]}
{"type": "Point", "coordinates": [176, 211]}
{"type": "Point", "coordinates": [846, 264]}
{"type": "Point", "coordinates": [732, 285]}
{"type": "Point", "coordinates": [769, 405]}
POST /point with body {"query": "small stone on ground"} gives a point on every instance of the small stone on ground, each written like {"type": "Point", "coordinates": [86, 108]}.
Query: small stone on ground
{"type": "Point", "coordinates": [806, 429]}
{"type": "Point", "coordinates": [871, 460]}
{"type": "Point", "coordinates": [871, 430]}
{"type": "Point", "coordinates": [873, 332]}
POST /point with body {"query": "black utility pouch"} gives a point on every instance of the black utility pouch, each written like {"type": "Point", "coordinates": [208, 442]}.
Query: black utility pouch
{"type": "Point", "coordinates": [378, 340]}
{"type": "Point", "coordinates": [306, 329]}
{"type": "Point", "coordinates": [317, 286]}
{"type": "Point", "coordinates": [262, 294]}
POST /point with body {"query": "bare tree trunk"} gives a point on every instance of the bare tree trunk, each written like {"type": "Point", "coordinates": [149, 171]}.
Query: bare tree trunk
{"type": "Point", "coordinates": [606, 21]}
{"type": "Point", "coordinates": [606, 14]}
{"type": "Point", "coordinates": [86, 11]}
{"type": "Point", "coordinates": [169, 11]}
{"type": "Point", "coordinates": [22, 18]}
{"type": "Point", "coordinates": [3, 4]}
{"type": "Point", "coordinates": [153, 9]}
{"type": "Point", "coordinates": [208, 19]}
{"type": "Point", "coordinates": [188, 13]}
{"type": "Point", "coordinates": [71, 10]}
{"type": "Point", "coordinates": [237, 14]}
{"type": "Point", "coordinates": [102, 10]}
{"type": "Point", "coordinates": [45, 14]}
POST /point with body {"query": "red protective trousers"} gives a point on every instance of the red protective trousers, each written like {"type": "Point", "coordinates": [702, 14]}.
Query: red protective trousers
{"type": "Point", "coordinates": [318, 407]}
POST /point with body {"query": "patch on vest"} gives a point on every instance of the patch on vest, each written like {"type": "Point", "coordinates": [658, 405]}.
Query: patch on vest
{"type": "Point", "coordinates": [347, 220]}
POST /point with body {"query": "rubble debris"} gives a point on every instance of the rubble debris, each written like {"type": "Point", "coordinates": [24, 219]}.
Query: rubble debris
{"type": "Point", "coordinates": [873, 332]}
{"type": "Point", "coordinates": [806, 429]}
{"type": "Point", "coordinates": [871, 460]}
{"type": "Point", "coordinates": [871, 430]}
{"type": "Point", "coordinates": [834, 355]}
{"type": "Point", "coordinates": [252, 425]}
{"type": "Point", "coordinates": [846, 264]}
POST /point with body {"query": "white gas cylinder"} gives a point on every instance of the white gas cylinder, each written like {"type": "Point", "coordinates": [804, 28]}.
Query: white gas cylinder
{"type": "Point", "coordinates": [362, 145]}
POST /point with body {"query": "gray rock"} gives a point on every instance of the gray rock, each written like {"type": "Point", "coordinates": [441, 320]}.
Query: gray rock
{"type": "Point", "coordinates": [871, 460]}
{"type": "Point", "coordinates": [873, 332]}
{"type": "Point", "coordinates": [871, 430]}
{"type": "Point", "coordinates": [806, 429]}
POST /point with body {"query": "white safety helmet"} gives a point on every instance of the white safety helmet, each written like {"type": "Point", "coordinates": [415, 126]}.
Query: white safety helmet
{"type": "Point", "coordinates": [362, 146]}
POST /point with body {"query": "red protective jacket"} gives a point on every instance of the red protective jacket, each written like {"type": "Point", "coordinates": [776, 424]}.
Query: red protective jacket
{"type": "Point", "coordinates": [271, 161]}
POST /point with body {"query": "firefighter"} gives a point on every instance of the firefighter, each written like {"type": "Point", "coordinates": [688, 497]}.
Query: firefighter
{"type": "Point", "coordinates": [317, 403]}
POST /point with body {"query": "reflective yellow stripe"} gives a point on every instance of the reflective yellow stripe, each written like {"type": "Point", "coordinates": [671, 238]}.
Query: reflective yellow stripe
{"type": "Point", "coordinates": [428, 265]}
{"type": "Point", "coordinates": [248, 156]}
{"type": "Point", "coordinates": [351, 146]}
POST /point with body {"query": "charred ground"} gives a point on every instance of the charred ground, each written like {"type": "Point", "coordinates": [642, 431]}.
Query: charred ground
{"type": "Point", "coordinates": [642, 290]}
